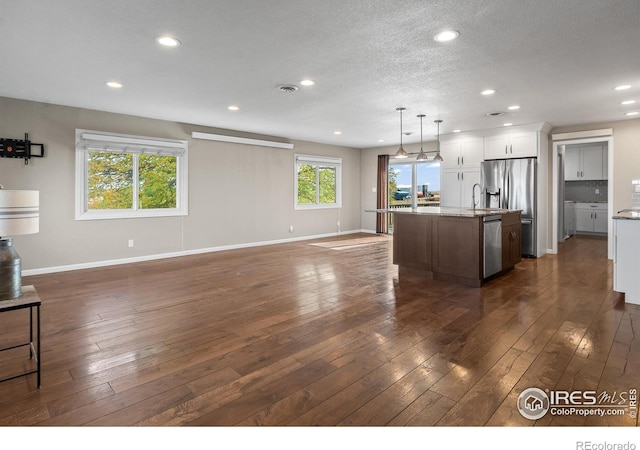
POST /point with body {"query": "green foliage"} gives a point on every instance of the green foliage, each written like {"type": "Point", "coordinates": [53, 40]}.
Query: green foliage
{"type": "Point", "coordinates": [110, 181]}
{"type": "Point", "coordinates": [306, 184]}
{"type": "Point", "coordinates": [327, 177]}
{"type": "Point", "coordinates": [157, 181]}
{"type": "Point", "coordinates": [316, 184]}
{"type": "Point", "coordinates": [393, 186]}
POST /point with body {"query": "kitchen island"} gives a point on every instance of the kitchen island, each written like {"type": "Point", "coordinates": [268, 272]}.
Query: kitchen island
{"type": "Point", "coordinates": [466, 246]}
{"type": "Point", "coordinates": [626, 271]}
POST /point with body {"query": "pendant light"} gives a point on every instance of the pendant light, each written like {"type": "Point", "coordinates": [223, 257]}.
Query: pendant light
{"type": "Point", "coordinates": [401, 153]}
{"type": "Point", "coordinates": [422, 156]}
{"type": "Point", "coordinates": [438, 157]}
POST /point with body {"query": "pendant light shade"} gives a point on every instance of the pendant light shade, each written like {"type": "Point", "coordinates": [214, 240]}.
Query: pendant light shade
{"type": "Point", "coordinates": [422, 156]}
{"type": "Point", "coordinates": [438, 157]}
{"type": "Point", "coordinates": [401, 153]}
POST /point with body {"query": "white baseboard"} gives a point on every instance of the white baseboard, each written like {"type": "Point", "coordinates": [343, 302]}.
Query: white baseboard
{"type": "Point", "coordinates": [114, 262]}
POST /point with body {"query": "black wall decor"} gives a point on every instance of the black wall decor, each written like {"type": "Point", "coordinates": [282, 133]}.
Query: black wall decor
{"type": "Point", "coordinates": [15, 148]}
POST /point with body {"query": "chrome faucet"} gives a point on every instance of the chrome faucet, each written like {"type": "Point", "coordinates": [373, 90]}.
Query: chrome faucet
{"type": "Point", "coordinates": [473, 194]}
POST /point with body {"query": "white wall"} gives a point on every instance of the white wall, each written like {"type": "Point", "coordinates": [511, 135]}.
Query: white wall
{"type": "Point", "coordinates": [238, 194]}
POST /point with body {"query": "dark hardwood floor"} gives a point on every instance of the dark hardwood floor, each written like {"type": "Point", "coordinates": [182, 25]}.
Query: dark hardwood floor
{"type": "Point", "coordinates": [319, 333]}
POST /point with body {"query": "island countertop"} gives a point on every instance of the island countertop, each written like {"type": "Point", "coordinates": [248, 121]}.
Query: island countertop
{"type": "Point", "coordinates": [447, 211]}
{"type": "Point", "coordinates": [628, 214]}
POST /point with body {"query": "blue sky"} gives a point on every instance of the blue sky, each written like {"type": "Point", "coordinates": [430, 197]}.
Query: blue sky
{"type": "Point", "coordinates": [427, 173]}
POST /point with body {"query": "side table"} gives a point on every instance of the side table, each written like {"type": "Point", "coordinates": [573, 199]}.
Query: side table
{"type": "Point", "coordinates": [28, 299]}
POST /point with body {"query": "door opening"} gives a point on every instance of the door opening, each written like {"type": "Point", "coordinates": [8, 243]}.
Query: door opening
{"type": "Point", "coordinates": [582, 174]}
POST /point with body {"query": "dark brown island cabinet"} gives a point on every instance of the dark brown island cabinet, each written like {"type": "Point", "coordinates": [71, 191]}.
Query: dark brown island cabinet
{"type": "Point", "coordinates": [466, 246]}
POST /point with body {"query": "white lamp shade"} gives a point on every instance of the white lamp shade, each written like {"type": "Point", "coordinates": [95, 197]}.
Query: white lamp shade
{"type": "Point", "coordinates": [19, 212]}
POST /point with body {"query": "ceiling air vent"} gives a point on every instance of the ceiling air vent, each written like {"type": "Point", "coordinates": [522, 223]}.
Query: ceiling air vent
{"type": "Point", "coordinates": [494, 114]}
{"type": "Point", "coordinates": [289, 88]}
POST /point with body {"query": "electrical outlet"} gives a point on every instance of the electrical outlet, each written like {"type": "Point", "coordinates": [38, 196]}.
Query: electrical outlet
{"type": "Point", "coordinates": [291, 229]}
{"type": "Point", "coordinates": [130, 243]}
{"type": "Point", "coordinates": [597, 191]}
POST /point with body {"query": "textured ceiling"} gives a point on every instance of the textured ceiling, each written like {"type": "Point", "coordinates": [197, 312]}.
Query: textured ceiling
{"type": "Point", "coordinates": [558, 59]}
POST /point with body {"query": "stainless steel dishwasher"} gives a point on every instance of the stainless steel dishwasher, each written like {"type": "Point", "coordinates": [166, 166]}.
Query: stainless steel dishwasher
{"type": "Point", "coordinates": [492, 247]}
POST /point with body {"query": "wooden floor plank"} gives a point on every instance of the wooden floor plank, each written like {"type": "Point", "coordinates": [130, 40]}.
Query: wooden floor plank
{"type": "Point", "coordinates": [320, 332]}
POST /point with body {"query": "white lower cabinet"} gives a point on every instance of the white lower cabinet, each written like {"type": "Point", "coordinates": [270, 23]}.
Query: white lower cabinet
{"type": "Point", "coordinates": [591, 218]}
{"type": "Point", "coordinates": [626, 270]}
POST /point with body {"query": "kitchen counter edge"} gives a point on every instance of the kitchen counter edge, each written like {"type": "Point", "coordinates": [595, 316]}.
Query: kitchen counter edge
{"type": "Point", "coordinates": [447, 211]}
{"type": "Point", "coordinates": [627, 215]}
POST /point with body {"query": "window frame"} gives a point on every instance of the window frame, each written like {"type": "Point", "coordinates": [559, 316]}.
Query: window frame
{"type": "Point", "coordinates": [88, 141]}
{"type": "Point", "coordinates": [316, 161]}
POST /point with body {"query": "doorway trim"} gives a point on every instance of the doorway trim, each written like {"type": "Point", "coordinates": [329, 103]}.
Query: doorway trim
{"type": "Point", "coordinates": [582, 137]}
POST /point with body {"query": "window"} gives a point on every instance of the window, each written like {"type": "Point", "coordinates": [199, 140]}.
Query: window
{"type": "Point", "coordinates": [318, 182]}
{"type": "Point", "coordinates": [412, 184]}
{"type": "Point", "coordinates": [121, 176]}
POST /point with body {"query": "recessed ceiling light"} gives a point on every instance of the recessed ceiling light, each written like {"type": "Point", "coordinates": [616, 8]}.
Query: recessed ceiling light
{"type": "Point", "coordinates": [508, 124]}
{"type": "Point", "coordinates": [446, 36]}
{"type": "Point", "coordinates": [167, 41]}
{"type": "Point", "coordinates": [380, 140]}
{"type": "Point", "coordinates": [114, 84]}
{"type": "Point", "coordinates": [514, 107]}
{"type": "Point", "coordinates": [622, 87]}
{"type": "Point", "coordinates": [307, 82]}
{"type": "Point", "coordinates": [628, 102]}
{"type": "Point", "coordinates": [233, 108]}
{"type": "Point", "coordinates": [631, 113]}
{"type": "Point", "coordinates": [488, 92]}
{"type": "Point", "coordinates": [337, 132]}
{"type": "Point", "coordinates": [457, 131]}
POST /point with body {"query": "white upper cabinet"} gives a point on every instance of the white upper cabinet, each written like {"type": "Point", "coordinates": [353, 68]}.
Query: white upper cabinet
{"type": "Point", "coordinates": [511, 145]}
{"type": "Point", "coordinates": [461, 153]}
{"type": "Point", "coordinates": [585, 162]}
{"type": "Point", "coordinates": [459, 170]}
{"type": "Point", "coordinates": [592, 163]}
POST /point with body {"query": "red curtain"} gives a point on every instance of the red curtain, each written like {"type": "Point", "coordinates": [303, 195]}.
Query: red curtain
{"type": "Point", "coordinates": [382, 201]}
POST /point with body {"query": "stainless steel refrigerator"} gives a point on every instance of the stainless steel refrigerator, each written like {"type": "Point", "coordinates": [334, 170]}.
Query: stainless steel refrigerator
{"type": "Point", "coordinates": [511, 184]}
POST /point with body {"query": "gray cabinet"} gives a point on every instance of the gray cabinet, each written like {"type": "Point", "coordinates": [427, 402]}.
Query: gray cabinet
{"type": "Point", "coordinates": [591, 218]}
{"type": "Point", "coordinates": [586, 162]}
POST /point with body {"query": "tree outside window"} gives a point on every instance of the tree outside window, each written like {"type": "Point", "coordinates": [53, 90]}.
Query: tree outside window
{"type": "Point", "coordinates": [317, 182]}
{"type": "Point", "coordinates": [121, 176]}
{"type": "Point", "coordinates": [111, 181]}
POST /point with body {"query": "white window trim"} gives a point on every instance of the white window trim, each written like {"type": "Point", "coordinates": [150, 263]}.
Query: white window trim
{"type": "Point", "coordinates": [324, 160]}
{"type": "Point", "coordinates": [87, 140]}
